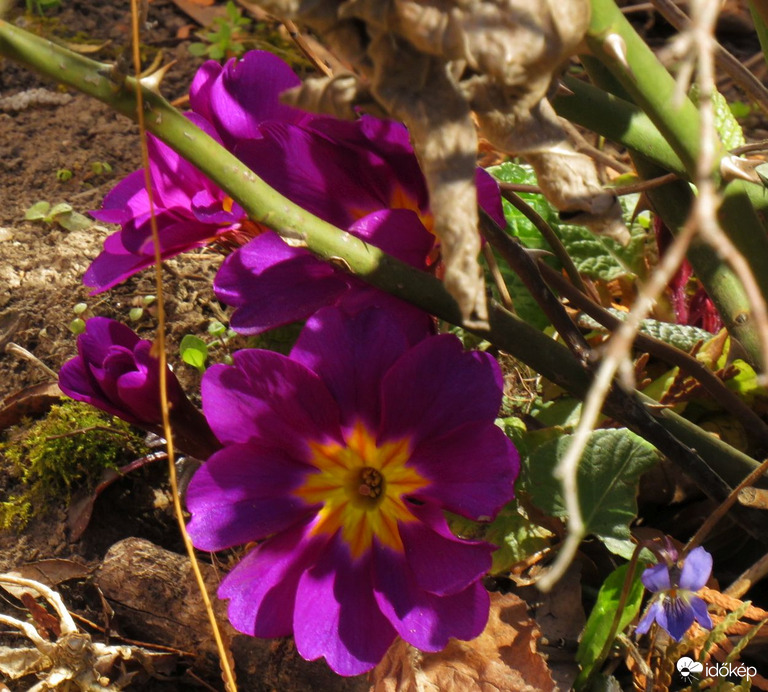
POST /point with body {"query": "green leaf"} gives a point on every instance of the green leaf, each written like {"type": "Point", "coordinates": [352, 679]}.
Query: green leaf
{"type": "Point", "coordinates": [60, 208]}
{"type": "Point", "coordinates": [725, 121]}
{"type": "Point", "coordinates": [194, 351]}
{"type": "Point", "coordinates": [73, 221]}
{"type": "Point", "coordinates": [600, 621]}
{"type": "Point", "coordinates": [594, 256]}
{"type": "Point", "coordinates": [38, 211]}
{"type": "Point", "coordinates": [607, 483]}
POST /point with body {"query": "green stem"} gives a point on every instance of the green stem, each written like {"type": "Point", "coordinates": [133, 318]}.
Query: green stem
{"type": "Point", "coordinates": [743, 203]}
{"type": "Point", "coordinates": [265, 205]}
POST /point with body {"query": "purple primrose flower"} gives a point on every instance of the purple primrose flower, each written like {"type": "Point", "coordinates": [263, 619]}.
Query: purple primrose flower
{"type": "Point", "coordinates": [675, 582]}
{"type": "Point", "coordinates": [362, 176]}
{"type": "Point", "coordinates": [116, 372]}
{"type": "Point", "coordinates": [339, 460]}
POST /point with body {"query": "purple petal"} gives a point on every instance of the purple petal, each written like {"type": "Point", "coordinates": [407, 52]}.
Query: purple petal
{"type": "Point", "coordinates": [442, 564]}
{"type": "Point", "coordinates": [436, 387]}
{"type": "Point", "coordinates": [699, 608]}
{"type": "Point", "coordinates": [425, 620]}
{"type": "Point", "coordinates": [676, 617]}
{"type": "Point", "coordinates": [398, 232]}
{"type": "Point", "coordinates": [697, 567]}
{"type": "Point", "coordinates": [336, 614]}
{"type": "Point", "coordinates": [119, 204]}
{"type": "Point", "coordinates": [267, 398]}
{"type": "Point", "coordinates": [262, 588]}
{"type": "Point", "coordinates": [453, 464]}
{"type": "Point", "coordinates": [244, 94]}
{"type": "Point", "coordinates": [489, 197]}
{"type": "Point", "coordinates": [653, 613]}
{"type": "Point", "coordinates": [272, 284]}
{"type": "Point", "coordinates": [656, 578]}
{"type": "Point", "coordinates": [243, 494]}
{"type": "Point", "coordinates": [78, 383]}
{"type": "Point", "coordinates": [318, 174]}
{"type": "Point", "coordinates": [351, 355]}
{"type": "Point", "coordinates": [113, 265]}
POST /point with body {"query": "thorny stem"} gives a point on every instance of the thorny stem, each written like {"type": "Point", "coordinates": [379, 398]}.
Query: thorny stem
{"type": "Point", "coordinates": [754, 425]}
{"type": "Point", "coordinates": [507, 332]}
{"type": "Point", "coordinates": [634, 66]}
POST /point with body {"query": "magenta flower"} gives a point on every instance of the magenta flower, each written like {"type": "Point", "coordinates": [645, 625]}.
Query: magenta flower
{"type": "Point", "coordinates": [675, 582]}
{"type": "Point", "coordinates": [361, 176]}
{"type": "Point", "coordinates": [190, 210]}
{"type": "Point", "coordinates": [340, 460]}
{"type": "Point", "coordinates": [116, 372]}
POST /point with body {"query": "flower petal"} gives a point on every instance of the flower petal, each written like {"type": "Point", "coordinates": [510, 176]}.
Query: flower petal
{"type": "Point", "coordinates": [453, 461]}
{"type": "Point", "coordinates": [442, 564]}
{"type": "Point", "coordinates": [676, 617]}
{"type": "Point", "coordinates": [272, 284]}
{"type": "Point", "coordinates": [656, 578]}
{"type": "Point", "coordinates": [697, 567]}
{"type": "Point", "coordinates": [436, 387]}
{"type": "Point", "coordinates": [398, 232]}
{"type": "Point", "coordinates": [262, 588]}
{"type": "Point", "coordinates": [244, 93]}
{"type": "Point", "coordinates": [652, 614]}
{"type": "Point", "coordinates": [243, 494]}
{"type": "Point", "coordinates": [336, 615]}
{"type": "Point", "coordinates": [351, 355]}
{"type": "Point", "coordinates": [425, 620]}
{"type": "Point", "coordinates": [266, 397]}
{"type": "Point", "coordinates": [699, 608]}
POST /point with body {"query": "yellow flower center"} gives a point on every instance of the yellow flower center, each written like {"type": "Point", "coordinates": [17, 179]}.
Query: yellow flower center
{"type": "Point", "coordinates": [361, 488]}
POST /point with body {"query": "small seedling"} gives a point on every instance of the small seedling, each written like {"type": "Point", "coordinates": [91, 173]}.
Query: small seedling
{"type": "Point", "coordinates": [77, 326]}
{"type": "Point", "coordinates": [101, 168]}
{"type": "Point", "coordinates": [140, 306]}
{"type": "Point", "coordinates": [227, 38]}
{"type": "Point", "coordinates": [61, 214]}
{"type": "Point", "coordinates": [63, 175]}
{"type": "Point", "coordinates": [194, 351]}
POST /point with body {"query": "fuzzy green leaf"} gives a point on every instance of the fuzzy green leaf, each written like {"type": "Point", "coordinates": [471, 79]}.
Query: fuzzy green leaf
{"type": "Point", "coordinates": [607, 483]}
{"type": "Point", "coordinates": [38, 211]}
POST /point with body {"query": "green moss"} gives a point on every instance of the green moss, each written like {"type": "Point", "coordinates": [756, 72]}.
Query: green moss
{"type": "Point", "coordinates": [67, 450]}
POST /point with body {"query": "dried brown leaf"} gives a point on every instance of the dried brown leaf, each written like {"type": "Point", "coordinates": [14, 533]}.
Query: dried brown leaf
{"type": "Point", "coordinates": [503, 657]}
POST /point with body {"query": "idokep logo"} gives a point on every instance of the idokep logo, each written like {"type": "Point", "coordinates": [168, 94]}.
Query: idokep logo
{"type": "Point", "coordinates": [687, 666]}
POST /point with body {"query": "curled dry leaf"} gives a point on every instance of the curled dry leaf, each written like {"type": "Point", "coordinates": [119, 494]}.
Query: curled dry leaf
{"type": "Point", "coordinates": [431, 65]}
{"type": "Point", "coordinates": [503, 657]}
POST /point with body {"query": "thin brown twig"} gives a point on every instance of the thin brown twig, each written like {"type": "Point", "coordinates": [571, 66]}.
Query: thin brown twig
{"type": "Point", "coordinates": [584, 147]}
{"type": "Point", "coordinates": [753, 424]}
{"type": "Point", "coordinates": [719, 513]}
{"type": "Point", "coordinates": [526, 268]}
{"type": "Point", "coordinates": [726, 61]}
{"type": "Point", "coordinates": [548, 234]}
{"type": "Point", "coordinates": [498, 279]}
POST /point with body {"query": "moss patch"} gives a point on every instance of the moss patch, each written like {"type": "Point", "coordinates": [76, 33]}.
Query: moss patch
{"type": "Point", "coordinates": [67, 450]}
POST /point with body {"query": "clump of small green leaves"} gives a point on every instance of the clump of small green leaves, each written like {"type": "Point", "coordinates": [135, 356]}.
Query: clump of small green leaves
{"type": "Point", "coordinates": [77, 325]}
{"type": "Point", "coordinates": [227, 37]}
{"type": "Point", "coordinates": [140, 306]}
{"type": "Point", "coordinates": [195, 351]}
{"type": "Point", "coordinates": [61, 214]}
{"type": "Point", "coordinates": [100, 168]}
{"type": "Point", "coordinates": [68, 449]}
